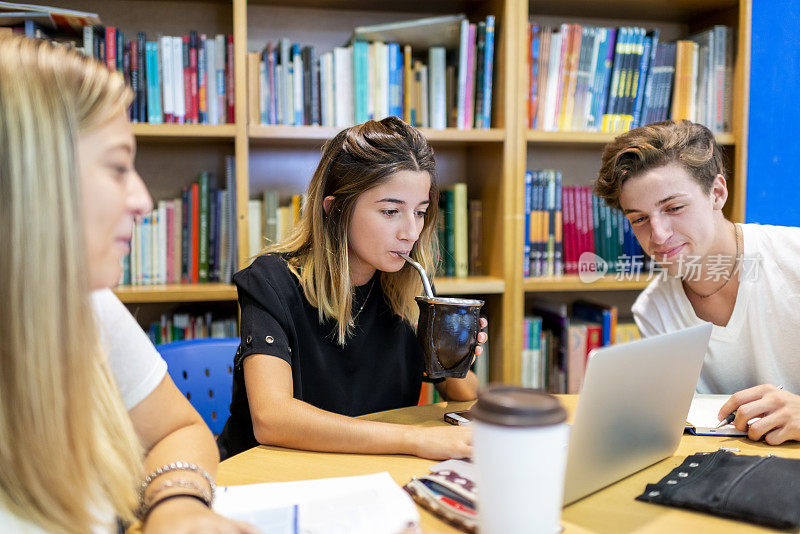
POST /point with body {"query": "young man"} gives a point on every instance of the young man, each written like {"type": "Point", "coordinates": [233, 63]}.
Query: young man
{"type": "Point", "coordinates": [669, 180]}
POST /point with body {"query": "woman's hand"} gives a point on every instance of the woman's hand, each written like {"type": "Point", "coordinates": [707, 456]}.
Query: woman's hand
{"type": "Point", "coordinates": [778, 410]}
{"type": "Point", "coordinates": [483, 337]}
{"type": "Point", "coordinates": [187, 515]}
{"type": "Point", "coordinates": [441, 442]}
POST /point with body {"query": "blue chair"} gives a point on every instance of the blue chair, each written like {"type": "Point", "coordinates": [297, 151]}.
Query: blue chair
{"type": "Point", "coordinates": [202, 369]}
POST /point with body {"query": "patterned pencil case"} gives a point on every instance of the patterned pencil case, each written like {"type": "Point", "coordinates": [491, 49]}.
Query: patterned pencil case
{"type": "Point", "coordinates": [759, 489]}
{"type": "Point", "coordinates": [448, 496]}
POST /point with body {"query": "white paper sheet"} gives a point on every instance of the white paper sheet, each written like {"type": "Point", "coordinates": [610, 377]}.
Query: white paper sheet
{"type": "Point", "coordinates": [703, 416]}
{"type": "Point", "coordinates": [368, 504]}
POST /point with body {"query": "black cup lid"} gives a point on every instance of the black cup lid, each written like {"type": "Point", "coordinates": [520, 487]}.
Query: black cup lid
{"type": "Point", "coordinates": [517, 406]}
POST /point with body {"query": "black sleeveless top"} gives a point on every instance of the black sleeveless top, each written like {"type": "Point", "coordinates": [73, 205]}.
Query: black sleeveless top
{"type": "Point", "coordinates": [379, 368]}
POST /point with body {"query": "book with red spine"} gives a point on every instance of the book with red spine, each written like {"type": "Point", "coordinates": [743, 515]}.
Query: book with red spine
{"type": "Point", "coordinates": [229, 86]}
{"type": "Point", "coordinates": [594, 337]}
{"type": "Point", "coordinates": [581, 224]}
{"type": "Point", "coordinates": [111, 47]}
{"type": "Point", "coordinates": [187, 81]}
{"type": "Point", "coordinates": [588, 220]}
{"type": "Point", "coordinates": [580, 227]}
{"type": "Point", "coordinates": [568, 224]}
{"type": "Point", "coordinates": [577, 230]}
{"type": "Point", "coordinates": [193, 77]}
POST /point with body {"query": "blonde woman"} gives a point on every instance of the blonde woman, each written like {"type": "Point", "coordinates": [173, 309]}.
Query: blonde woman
{"type": "Point", "coordinates": [327, 317]}
{"type": "Point", "coordinates": [72, 457]}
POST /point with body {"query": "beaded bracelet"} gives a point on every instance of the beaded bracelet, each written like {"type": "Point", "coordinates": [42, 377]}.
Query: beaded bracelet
{"type": "Point", "coordinates": [180, 483]}
{"type": "Point", "coordinates": [146, 511]}
{"type": "Point", "coordinates": [177, 466]}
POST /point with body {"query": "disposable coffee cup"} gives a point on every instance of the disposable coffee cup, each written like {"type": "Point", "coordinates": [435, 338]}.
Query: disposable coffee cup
{"type": "Point", "coordinates": [520, 452]}
{"type": "Point", "coordinates": [448, 334]}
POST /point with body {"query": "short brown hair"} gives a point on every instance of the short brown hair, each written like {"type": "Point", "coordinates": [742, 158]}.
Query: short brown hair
{"type": "Point", "coordinates": [648, 147]}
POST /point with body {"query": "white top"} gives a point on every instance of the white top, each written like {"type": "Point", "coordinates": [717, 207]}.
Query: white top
{"type": "Point", "coordinates": [135, 363]}
{"type": "Point", "coordinates": [760, 343]}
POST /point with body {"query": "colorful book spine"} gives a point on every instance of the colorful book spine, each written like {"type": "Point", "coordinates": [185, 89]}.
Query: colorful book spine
{"type": "Point", "coordinates": [193, 78]}
{"type": "Point", "coordinates": [360, 58]}
{"type": "Point", "coordinates": [202, 80]}
{"type": "Point", "coordinates": [229, 81]}
{"type": "Point", "coordinates": [194, 233]}
{"type": "Point", "coordinates": [203, 226]}
{"type": "Point", "coordinates": [488, 73]}
{"type": "Point", "coordinates": [153, 88]}
{"type": "Point", "coordinates": [178, 82]}
{"type": "Point", "coordinates": [222, 88]}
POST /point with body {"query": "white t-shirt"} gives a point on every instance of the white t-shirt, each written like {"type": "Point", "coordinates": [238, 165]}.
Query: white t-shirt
{"type": "Point", "coordinates": [761, 342]}
{"type": "Point", "coordinates": [134, 361]}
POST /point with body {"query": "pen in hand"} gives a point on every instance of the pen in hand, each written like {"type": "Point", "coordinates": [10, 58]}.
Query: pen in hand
{"type": "Point", "coordinates": [729, 419]}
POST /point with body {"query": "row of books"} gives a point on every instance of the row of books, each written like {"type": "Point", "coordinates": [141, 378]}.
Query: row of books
{"type": "Point", "coordinates": [269, 222]}
{"type": "Point", "coordinates": [190, 239]}
{"type": "Point", "coordinates": [459, 227]}
{"type": "Point", "coordinates": [378, 75]}
{"type": "Point", "coordinates": [557, 340]}
{"type": "Point", "coordinates": [564, 222]}
{"type": "Point", "coordinates": [589, 78]}
{"type": "Point", "coordinates": [181, 326]}
{"type": "Point", "coordinates": [177, 79]}
{"type": "Point", "coordinates": [459, 231]}
{"type": "Point", "coordinates": [181, 79]}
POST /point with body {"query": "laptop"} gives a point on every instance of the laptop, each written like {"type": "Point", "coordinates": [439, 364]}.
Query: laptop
{"type": "Point", "coordinates": [632, 409]}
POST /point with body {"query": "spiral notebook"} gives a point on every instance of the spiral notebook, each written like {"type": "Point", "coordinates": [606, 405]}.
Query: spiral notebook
{"type": "Point", "coordinates": [702, 418]}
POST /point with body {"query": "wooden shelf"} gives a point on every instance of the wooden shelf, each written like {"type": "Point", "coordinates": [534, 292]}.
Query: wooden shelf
{"type": "Point", "coordinates": [472, 285]}
{"type": "Point", "coordinates": [184, 132]}
{"type": "Point", "coordinates": [673, 11]}
{"type": "Point", "coordinates": [317, 135]}
{"type": "Point", "coordinates": [594, 138]}
{"type": "Point", "coordinates": [175, 293]}
{"type": "Point", "coordinates": [436, 7]}
{"type": "Point", "coordinates": [573, 283]}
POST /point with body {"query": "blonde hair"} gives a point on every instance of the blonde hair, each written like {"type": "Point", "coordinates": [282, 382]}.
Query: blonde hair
{"type": "Point", "coordinates": [69, 456]}
{"type": "Point", "coordinates": [355, 160]}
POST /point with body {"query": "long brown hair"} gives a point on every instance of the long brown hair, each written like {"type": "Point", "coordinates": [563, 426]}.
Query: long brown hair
{"type": "Point", "coordinates": [69, 457]}
{"type": "Point", "coordinates": [354, 161]}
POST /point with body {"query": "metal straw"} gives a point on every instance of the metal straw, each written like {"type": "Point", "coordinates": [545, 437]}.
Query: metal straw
{"type": "Point", "coordinates": [422, 274]}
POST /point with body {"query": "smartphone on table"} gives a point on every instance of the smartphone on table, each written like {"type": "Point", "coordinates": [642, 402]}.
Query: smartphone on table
{"type": "Point", "coordinates": [463, 417]}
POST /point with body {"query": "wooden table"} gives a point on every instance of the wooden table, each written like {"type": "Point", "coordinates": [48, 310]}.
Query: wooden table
{"type": "Point", "coordinates": [612, 509]}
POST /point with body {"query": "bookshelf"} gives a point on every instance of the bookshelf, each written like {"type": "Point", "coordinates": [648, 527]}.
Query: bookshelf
{"type": "Point", "coordinates": [491, 162]}
{"type": "Point", "coordinates": [170, 156]}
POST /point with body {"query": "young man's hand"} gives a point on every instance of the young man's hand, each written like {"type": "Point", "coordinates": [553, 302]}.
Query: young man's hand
{"type": "Point", "coordinates": [778, 410]}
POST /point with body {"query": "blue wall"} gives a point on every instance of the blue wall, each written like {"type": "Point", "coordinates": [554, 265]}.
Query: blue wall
{"type": "Point", "coordinates": [773, 168]}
